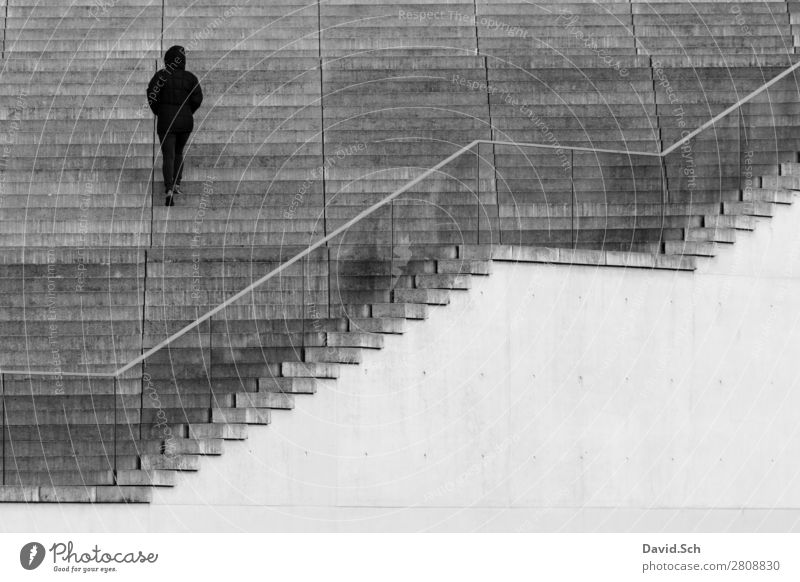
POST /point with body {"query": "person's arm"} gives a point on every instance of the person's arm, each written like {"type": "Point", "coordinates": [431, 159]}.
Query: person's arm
{"type": "Point", "coordinates": [196, 97]}
{"type": "Point", "coordinates": [153, 89]}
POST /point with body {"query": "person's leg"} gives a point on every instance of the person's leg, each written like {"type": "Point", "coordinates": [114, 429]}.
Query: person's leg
{"type": "Point", "coordinates": [168, 159]}
{"type": "Point", "coordinates": [180, 143]}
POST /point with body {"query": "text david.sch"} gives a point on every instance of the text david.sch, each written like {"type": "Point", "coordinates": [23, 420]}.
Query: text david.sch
{"type": "Point", "coordinates": [671, 549]}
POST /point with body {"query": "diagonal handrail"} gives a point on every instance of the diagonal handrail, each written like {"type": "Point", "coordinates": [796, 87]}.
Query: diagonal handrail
{"type": "Point", "coordinates": [363, 214]}
{"type": "Point", "coordinates": [730, 109]}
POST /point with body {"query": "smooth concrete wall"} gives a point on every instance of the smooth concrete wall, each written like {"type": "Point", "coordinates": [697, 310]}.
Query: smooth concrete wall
{"type": "Point", "coordinates": [546, 398]}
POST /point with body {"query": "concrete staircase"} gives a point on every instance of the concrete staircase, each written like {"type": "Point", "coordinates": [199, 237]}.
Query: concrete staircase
{"type": "Point", "coordinates": [313, 112]}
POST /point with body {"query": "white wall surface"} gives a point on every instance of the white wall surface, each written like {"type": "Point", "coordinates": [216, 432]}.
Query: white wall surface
{"type": "Point", "coordinates": [547, 398]}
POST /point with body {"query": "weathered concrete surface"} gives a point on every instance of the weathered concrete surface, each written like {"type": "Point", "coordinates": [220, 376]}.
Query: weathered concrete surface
{"type": "Point", "coordinates": [547, 397]}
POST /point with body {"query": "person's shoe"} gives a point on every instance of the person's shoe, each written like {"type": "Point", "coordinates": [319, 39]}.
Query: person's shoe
{"type": "Point", "coordinates": [176, 189]}
{"type": "Point", "coordinates": [169, 201]}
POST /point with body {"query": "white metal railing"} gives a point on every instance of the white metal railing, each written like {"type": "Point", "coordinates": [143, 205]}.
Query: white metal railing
{"type": "Point", "coordinates": [388, 199]}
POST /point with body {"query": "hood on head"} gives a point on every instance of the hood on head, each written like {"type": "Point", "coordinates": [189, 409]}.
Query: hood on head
{"type": "Point", "coordinates": [175, 57]}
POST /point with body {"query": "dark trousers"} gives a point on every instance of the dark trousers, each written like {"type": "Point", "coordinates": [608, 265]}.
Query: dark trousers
{"type": "Point", "coordinates": [172, 145]}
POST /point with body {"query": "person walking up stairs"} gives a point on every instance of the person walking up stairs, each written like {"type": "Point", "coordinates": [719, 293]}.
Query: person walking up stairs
{"type": "Point", "coordinates": [174, 94]}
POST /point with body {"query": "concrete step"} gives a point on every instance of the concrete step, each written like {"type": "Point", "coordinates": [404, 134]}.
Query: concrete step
{"type": "Point", "coordinates": [354, 339]}
{"type": "Point", "coordinates": [58, 417]}
{"type": "Point", "coordinates": [699, 249]}
{"type": "Point", "coordinates": [66, 464]}
{"type": "Point", "coordinates": [400, 310]}
{"type": "Point", "coordinates": [46, 432]}
{"type": "Point", "coordinates": [348, 356]}
{"type": "Point", "coordinates": [31, 477]}
{"type": "Point", "coordinates": [370, 325]}
{"type": "Point", "coordinates": [292, 385]}
{"type": "Point", "coordinates": [246, 362]}
{"type": "Point", "coordinates": [75, 494]}
{"type": "Point", "coordinates": [738, 222]}
{"type": "Point", "coordinates": [718, 235]}
{"type": "Point", "coordinates": [273, 400]}
{"type": "Point", "coordinates": [771, 195]}
{"type": "Point", "coordinates": [747, 208]}
{"type": "Point", "coordinates": [788, 182]}
{"type": "Point", "coordinates": [169, 462]}
{"type": "Point", "coordinates": [443, 281]}
{"type": "Point", "coordinates": [227, 431]}
{"type": "Point", "coordinates": [71, 402]}
{"type": "Point", "coordinates": [422, 296]}
{"type": "Point", "coordinates": [142, 478]}
{"type": "Point", "coordinates": [241, 415]}
{"type": "Point", "coordinates": [309, 370]}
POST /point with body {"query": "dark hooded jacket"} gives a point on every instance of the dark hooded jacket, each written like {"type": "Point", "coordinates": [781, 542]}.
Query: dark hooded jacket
{"type": "Point", "coordinates": [174, 94]}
